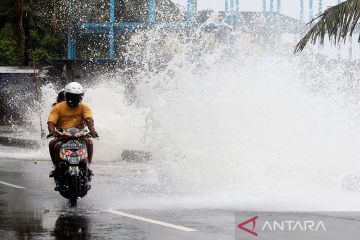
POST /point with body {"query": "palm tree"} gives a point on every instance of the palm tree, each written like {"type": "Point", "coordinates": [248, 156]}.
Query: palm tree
{"type": "Point", "coordinates": [338, 22]}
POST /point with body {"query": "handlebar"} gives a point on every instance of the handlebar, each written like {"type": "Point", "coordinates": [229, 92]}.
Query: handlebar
{"type": "Point", "coordinates": [84, 134]}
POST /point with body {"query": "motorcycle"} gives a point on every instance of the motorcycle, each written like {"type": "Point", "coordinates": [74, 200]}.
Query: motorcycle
{"type": "Point", "coordinates": [74, 174]}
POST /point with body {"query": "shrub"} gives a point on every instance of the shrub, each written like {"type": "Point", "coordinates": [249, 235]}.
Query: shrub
{"type": "Point", "coordinates": [39, 56]}
{"type": "Point", "coordinates": [8, 53]}
{"type": "Point", "coordinates": [49, 42]}
{"type": "Point", "coordinates": [34, 39]}
{"type": "Point", "coordinates": [8, 49]}
{"type": "Point", "coordinates": [7, 32]}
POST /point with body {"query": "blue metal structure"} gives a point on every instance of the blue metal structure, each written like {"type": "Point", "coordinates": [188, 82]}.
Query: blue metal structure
{"type": "Point", "coordinates": [237, 9]}
{"type": "Point", "coordinates": [278, 6]}
{"type": "Point", "coordinates": [231, 20]}
{"type": "Point", "coordinates": [111, 30]}
{"type": "Point", "coordinates": [232, 16]}
{"type": "Point", "coordinates": [311, 9]}
{"type": "Point", "coordinates": [226, 10]}
{"type": "Point", "coordinates": [302, 10]}
{"type": "Point", "coordinates": [264, 7]}
{"type": "Point", "coordinates": [191, 10]}
{"type": "Point", "coordinates": [152, 12]}
{"type": "Point", "coordinates": [232, 11]}
{"type": "Point", "coordinates": [271, 5]}
{"type": "Point", "coordinates": [112, 27]}
{"type": "Point", "coordinates": [320, 10]}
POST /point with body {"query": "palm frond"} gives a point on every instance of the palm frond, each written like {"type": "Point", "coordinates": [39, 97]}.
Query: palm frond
{"type": "Point", "coordinates": [337, 22]}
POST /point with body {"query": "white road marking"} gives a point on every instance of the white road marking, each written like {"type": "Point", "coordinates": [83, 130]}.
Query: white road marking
{"type": "Point", "coordinates": [151, 221]}
{"type": "Point", "coordinates": [11, 185]}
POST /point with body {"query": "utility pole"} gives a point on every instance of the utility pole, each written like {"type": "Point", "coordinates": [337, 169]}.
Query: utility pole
{"type": "Point", "coordinates": [278, 6]}
{"type": "Point", "coordinates": [152, 12]}
{"type": "Point", "coordinates": [232, 11]}
{"type": "Point", "coordinates": [111, 30]}
{"type": "Point", "coordinates": [264, 7]}
{"type": "Point", "coordinates": [320, 6]}
{"type": "Point", "coordinates": [301, 10]}
{"type": "Point", "coordinates": [226, 10]}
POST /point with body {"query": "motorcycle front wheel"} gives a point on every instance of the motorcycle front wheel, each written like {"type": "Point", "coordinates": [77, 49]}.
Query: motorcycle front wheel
{"type": "Point", "coordinates": [74, 191]}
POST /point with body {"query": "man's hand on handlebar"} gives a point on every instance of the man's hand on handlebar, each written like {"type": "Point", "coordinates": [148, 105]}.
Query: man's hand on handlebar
{"type": "Point", "coordinates": [52, 129]}
{"type": "Point", "coordinates": [49, 135]}
{"type": "Point", "coordinates": [90, 123]}
{"type": "Point", "coordinates": [94, 134]}
{"type": "Point", "coordinates": [53, 134]}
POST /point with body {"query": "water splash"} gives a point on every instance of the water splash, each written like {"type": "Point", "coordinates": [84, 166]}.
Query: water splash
{"type": "Point", "coordinates": [239, 126]}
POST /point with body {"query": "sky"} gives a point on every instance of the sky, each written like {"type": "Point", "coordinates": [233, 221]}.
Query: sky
{"type": "Point", "coordinates": [289, 7]}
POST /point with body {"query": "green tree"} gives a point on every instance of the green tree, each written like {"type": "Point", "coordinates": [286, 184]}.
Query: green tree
{"type": "Point", "coordinates": [8, 48]}
{"type": "Point", "coordinates": [338, 22]}
{"type": "Point", "coordinates": [31, 27]}
{"type": "Point", "coordinates": [7, 32]}
{"type": "Point", "coordinates": [11, 11]}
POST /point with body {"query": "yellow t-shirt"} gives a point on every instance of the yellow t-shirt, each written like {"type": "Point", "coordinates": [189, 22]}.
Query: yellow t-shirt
{"type": "Point", "coordinates": [64, 116]}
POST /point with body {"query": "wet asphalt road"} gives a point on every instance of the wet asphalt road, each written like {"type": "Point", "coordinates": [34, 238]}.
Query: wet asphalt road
{"type": "Point", "coordinates": [37, 212]}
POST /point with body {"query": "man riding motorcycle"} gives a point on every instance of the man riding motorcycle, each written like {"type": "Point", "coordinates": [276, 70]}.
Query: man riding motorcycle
{"type": "Point", "coordinates": [71, 113]}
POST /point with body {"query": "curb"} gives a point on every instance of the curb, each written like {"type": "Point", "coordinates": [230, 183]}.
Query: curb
{"type": "Point", "coordinates": [18, 142]}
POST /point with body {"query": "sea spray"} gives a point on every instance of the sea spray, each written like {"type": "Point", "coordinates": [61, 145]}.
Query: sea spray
{"type": "Point", "coordinates": [230, 127]}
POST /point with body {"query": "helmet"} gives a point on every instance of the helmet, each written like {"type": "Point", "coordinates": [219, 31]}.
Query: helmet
{"type": "Point", "coordinates": [74, 94]}
{"type": "Point", "coordinates": [74, 88]}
